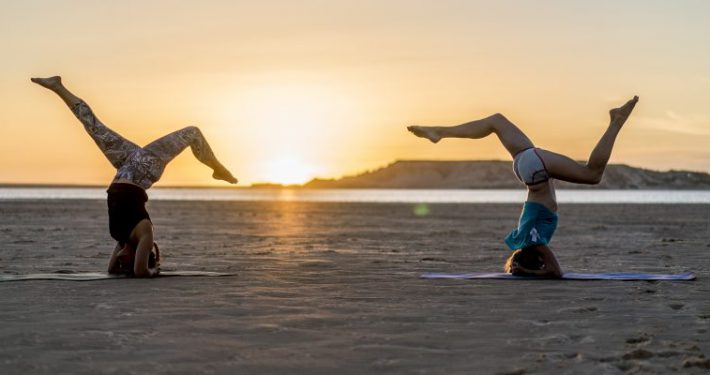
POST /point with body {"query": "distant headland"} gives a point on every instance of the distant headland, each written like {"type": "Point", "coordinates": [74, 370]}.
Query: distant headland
{"type": "Point", "coordinates": [495, 174]}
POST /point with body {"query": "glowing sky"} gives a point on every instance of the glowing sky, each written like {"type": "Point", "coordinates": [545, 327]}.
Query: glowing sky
{"type": "Point", "coordinates": [289, 90]}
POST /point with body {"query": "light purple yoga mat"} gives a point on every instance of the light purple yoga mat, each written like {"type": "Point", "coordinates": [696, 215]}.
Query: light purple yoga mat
{"type": "Point", "coordinates": [567, 276]}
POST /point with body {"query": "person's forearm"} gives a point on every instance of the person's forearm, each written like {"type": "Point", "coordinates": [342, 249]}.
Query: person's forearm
{"type": "Point", "coordinates": [553, 273]}
{"type": "Point", "coordinates": [551, 266]}
{"type": "Point", "coordinates": [112, 262]}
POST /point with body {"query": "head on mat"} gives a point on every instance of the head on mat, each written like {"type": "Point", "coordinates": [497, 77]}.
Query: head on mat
{"type": "Point", "coordinates": [535, 260]}
{"type": "Point", "coordinates": [526, 258]}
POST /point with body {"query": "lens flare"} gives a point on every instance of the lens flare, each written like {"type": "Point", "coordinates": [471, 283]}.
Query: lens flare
{"type": "Point", "coordinates": [421, 210]}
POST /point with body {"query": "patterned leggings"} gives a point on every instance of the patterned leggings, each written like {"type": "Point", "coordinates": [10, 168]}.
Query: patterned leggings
{"type": "Point", "coordinates": [143, 165]}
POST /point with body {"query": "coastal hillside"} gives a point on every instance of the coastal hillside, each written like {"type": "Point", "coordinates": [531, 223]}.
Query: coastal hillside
{"type": "Point", "coordinates": [494, 174]}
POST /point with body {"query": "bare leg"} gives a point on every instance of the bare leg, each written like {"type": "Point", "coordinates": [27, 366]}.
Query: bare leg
{"type": "Point", "coordinates": [113, 145]}
{"type": "Point", "coordinates": [169, 146]}
{"type": "Point", "coordinates": [512, 138]}
{"type": "Point", "coordinates": [114, 257]}
{"type": "Point", "coordinates": [563, 168]}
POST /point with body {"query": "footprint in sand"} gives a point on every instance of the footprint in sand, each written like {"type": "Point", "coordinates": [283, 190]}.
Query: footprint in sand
{"type": "Point", "coordinates": [671, 240]}
{"type": "Point", "coordinates": [644, 338]}
{"type": "Point", "coordinates": [22, 241]}
{"type": "Point", "coordinates": [638, 354]}
{"type": "Point", "coordinates": [520, 371]}
{"type": "Point", "coordinates": [594, 299]}
{"type": "Point", "coordinates": [700, 362]}
{"type": "Point", "coordinates": [625, 366]}
{"type": "Point", "coordinates": [676, 306]}
{"type": "Point", "coordinates": [585, 309]}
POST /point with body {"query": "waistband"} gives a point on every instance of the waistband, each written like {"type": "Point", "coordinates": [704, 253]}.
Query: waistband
{"type": "Point", "coordinates": [120, 188]}
{"type": "Point", "coordinates": [523, 150]}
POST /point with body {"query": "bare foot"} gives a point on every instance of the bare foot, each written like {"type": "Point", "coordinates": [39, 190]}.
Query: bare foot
{"type": "Point", "coordinates": [619, 115]}
{"type": "Point", "coordinates": [221, 173]}
{"type": "Point", "coordinates": [50, 83]}
{"type": "Point", "coordinates": [427, 132]}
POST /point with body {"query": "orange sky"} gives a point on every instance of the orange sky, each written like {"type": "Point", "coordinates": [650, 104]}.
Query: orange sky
{"type": "Point", "coordinates": [289, 90]}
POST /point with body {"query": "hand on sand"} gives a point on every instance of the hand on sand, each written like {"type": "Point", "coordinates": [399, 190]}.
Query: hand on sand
{"type": "Point", "coordinates": [619, 115]}
{"type": "Point", "coordinates": [424, 132]}
{"type": "Point", "coordinates": [517, 269]}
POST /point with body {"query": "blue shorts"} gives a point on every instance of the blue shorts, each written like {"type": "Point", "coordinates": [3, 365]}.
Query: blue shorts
{"type": "Point", "coordinates": [536, 227]}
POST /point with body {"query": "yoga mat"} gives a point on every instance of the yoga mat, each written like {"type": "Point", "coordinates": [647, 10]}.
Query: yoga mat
{"type": "Point", "coordinates": [567, 276]}
{"type": "Point", "coordinates": [91, 276]}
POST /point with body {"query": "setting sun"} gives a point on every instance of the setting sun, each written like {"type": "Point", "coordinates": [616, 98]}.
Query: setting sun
{"type": "Point", "coordinates": [292, 126]}
{"type": "Point", "coordinates": [289, 170]}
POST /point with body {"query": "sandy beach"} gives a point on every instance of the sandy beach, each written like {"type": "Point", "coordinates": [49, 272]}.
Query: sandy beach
{"type": "Point", "coordinates": [325, 288]}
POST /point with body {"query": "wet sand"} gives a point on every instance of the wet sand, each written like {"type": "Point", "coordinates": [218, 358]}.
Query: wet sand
{"type": "Point", "coordinates": [327, 287]}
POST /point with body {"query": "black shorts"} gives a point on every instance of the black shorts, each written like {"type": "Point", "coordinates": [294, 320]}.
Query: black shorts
{"type": "Point", "coordinates": [126, 208]}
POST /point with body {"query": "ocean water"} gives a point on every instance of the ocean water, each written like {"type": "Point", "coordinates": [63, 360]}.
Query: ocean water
{"type": "Point", "coordinates": [366, 195]}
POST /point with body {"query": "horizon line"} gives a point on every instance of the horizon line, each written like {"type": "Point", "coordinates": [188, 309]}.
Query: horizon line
{"type": "Point", "coordinates": [267, 184]}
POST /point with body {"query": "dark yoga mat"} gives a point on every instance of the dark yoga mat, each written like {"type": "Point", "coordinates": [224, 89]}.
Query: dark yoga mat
{"type": "Point", "coordinates": [91, 276]}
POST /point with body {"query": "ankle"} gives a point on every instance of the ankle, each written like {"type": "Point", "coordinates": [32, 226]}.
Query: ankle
{"type": "Point", "coordinates": [616, 124]}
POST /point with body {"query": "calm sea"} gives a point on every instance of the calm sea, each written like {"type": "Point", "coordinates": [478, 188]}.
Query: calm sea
{"type": "Point", "coordinates": [366, 195]}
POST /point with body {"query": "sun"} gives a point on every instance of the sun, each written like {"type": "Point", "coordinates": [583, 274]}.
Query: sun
{"type": "Point", "coordinates": [290, 131]}
{"type": "Point", "coordinates": [289, 170]}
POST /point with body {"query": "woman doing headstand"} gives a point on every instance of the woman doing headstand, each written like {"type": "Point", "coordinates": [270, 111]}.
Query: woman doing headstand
{"type": "Point", "coordinates": [536, 168]}
{"type": "Point", "coordinates": [138, 168]}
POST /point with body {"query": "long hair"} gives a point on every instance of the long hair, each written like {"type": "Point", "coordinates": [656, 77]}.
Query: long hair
{"type": "Point", "coordinates": [527, 257]}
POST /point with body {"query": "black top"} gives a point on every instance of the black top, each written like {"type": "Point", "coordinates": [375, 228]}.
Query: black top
{"type": "Point", "coordinates": [126, 208]}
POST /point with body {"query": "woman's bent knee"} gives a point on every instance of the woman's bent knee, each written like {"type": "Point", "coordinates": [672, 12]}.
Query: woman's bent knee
{"type": "Point", "coordinates": [594, 177]}
{"type": "Point", "coordinates": [498, 118]}
{"type": "Point", "coordinates": [192, 130]}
